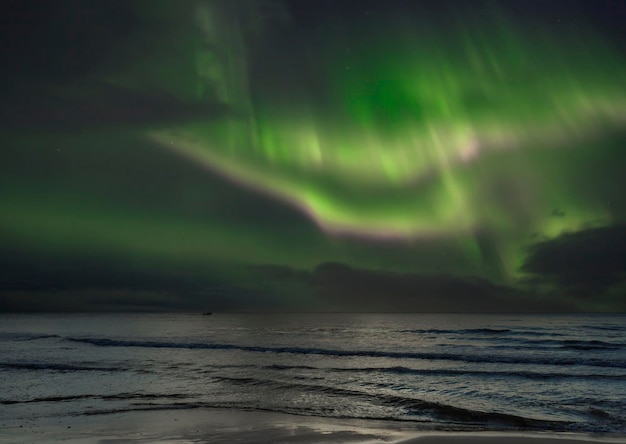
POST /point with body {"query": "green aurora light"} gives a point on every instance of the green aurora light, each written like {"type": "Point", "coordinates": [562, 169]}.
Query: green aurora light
{"type": "Point", "coordinates": [413, 130]}
{"type": "Point", "coordinates": [383, 143]}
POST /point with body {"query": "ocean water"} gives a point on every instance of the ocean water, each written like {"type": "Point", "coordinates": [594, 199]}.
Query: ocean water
{"type": "Point", "coordinates": [433, 372]}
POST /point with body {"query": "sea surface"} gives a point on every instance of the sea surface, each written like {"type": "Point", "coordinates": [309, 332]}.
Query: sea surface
{"type": "Point", "coordinates": [436, 372]}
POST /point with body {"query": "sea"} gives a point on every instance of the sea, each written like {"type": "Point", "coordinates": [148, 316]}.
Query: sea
{"type": "Point", "coordinates": [563, 373]}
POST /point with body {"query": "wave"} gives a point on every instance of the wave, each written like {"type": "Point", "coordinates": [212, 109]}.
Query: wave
{"type": "Point", "coordinates": [25, 336]}
{"type": "Point", "coordinates": [574, 344]}
{"type": "Point", "coordinates": [56, 367]}
{"type": "Point", "coordinates": [400, 370]}
{"type": "Point", "coordinates": [527, 331]}
{"type": "Point", "coordinates": [451, 372]}
{"type": "Point", "coordinates": [487, 331]}
{"type": "Point", "coordinates": [415, 409]}
{"type": "Point", "coordinates": [115, 397]}
{"type": "Point", "coordinates": [608, 327]}
{"type": "Point", "coordinates": [428, 410]}
{"type": "Point", "coordinates": [438, 415]}
{"type": "Point", "coordinates": [525, 337]}
{"type": "Point", "coordinates": [552, 344]}
{"type": "Point", "coordinates": [611, 362]}
{"type": "Point", "coordinates": [311, 412]}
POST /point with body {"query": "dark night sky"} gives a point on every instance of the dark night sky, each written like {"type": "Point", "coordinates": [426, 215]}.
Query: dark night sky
{"type": "Point", "coordinates": [298, 155]}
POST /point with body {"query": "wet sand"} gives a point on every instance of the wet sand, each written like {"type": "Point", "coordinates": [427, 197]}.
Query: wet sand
{"type": "Point", "coordinates": [232, 426]}
{"type": "Point", "coordinates": [507, 438]}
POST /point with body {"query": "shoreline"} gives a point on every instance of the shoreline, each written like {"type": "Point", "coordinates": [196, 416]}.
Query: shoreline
{"type": "Point", "coordinates": [509, 438]}
{"type": "Point", "coordinates": [221, 426]}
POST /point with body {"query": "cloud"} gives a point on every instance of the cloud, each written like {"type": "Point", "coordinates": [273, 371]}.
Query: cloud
{"type": "Point", "coordinates": [89, 300]}
{"type": "Point", "coordinates": [592, 255]}
{"type": "Point", "coordinates": [584, 264]}
{"type": "Point", "coordinates": [345, 288]}
{"type": "Point", "coordinates": [81, 284]}
{"type": "Point", "coordinates": [283, 273]}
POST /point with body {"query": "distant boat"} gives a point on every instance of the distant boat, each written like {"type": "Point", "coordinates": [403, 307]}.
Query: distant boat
{"type": "Point", "coordinates": [207, 313]}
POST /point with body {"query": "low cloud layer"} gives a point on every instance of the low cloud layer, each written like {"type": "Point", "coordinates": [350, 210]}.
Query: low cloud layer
{"type": "Point", "coordinates": [585, 264]}
{"type": "Point", "coordinates": [344, 288]}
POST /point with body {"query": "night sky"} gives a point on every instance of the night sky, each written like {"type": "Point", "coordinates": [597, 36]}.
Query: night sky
{"type": "Point", "coordinates": [313, 155]}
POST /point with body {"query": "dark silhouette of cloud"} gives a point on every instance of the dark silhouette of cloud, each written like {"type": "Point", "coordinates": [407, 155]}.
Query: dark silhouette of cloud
{"type": "Point", "coordinates": [583, 264]}
{"type": "Point", "coordinates": [76, 284]}
{"type": "Point", "coordinates": [346, 288]}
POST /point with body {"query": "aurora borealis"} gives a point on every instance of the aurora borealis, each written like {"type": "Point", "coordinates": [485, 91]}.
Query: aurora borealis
{"type": "Point", "coordinates": [237, 150]}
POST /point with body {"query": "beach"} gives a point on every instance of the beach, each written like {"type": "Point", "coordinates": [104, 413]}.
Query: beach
{"type": "Point", "coordinates": [221, 426]}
